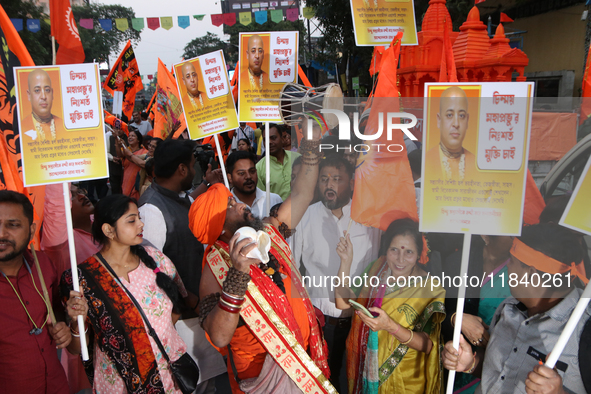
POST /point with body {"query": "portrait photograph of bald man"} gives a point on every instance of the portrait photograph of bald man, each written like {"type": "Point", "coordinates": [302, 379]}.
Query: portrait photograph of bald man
{"type": "Point", "coordinates": [192, 88]}
{"type": "Point", "coordinates": [40, 120]}
{"type": "Point", "coordinates": [449, 159]}
{"type": "Point", "coordinates": [253, 72]}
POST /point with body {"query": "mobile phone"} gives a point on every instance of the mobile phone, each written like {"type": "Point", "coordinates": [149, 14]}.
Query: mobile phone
{"type": "Point", "coordinates": [361, 308]}
{"type": "Point", "coordinates": [117, 124]}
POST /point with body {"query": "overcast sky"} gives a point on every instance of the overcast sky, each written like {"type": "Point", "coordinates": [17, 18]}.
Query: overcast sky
{"type": "Point", "coordinates": [168, 45]}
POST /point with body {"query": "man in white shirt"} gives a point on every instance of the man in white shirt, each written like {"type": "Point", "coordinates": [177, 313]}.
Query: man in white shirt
{"type": "Point", "coordinates": [143, 126]}
{"type": "Point", "coordinates": [242, 174]}
{"type": "Point", "coordinates": [315, 241]}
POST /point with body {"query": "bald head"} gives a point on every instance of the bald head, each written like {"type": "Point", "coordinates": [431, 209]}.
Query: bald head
{"type": "Point", "coordinates": [452, 119]}
{"type": "Point", "coordinates": [190, 78]}
{"type": "Point", "coordinates": [40, 93]}
{"type": "Point", "coordinates": [255, 54]}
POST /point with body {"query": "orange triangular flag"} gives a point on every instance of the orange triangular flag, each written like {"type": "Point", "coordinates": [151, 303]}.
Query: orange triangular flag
{"type": "Point", "coordinates": [169, 110]}
{"type": "Point", "coordinates": [384, 173]}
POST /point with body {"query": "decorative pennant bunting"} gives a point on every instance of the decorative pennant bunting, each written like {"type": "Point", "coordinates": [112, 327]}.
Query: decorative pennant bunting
{"type": "Point", "coordinates": [121, 24]}
{"type": "Point", "coordinates": [184, 21]}
{"type": "Point", "coordinates": [309, 12]}
{"type": "Point", "coordinates": [217, 19]}
{"type": "Point", "coordinates": [106, 24]}
{"type": "Point", "coordinates": [260, 17]}
{"type": "Point", "coordinates": [87, 23]}
{"type": "Point", "coordinates": [137, 23]}
{"type": "Point", "coordinates": [245, 18]}
{"type": "Point", "coordinates": [292, 14]}
{"type": "Point", "coordinates": [166, 22]}
{"type": "Point", "coordinates": [276, 15]}
{"type": "Point", "coordinates": [153, 23]}
{"type": "Point", "coordinates": [33, 25]}
{"type": "Point", "coordinates": [229, 19]}
{"type": "Point", "coordinates": [199, 17]}
{"type": "Point", "coordinates": [18, 23]}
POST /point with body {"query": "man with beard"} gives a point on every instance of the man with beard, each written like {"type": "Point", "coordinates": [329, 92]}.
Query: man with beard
{"type": "Point", "coordinates": [247, 305]}
{"type": "Point", "coordinates": [242, 174]}
{"type": "Point", "coordinates": [315, 241]}
{"type": "Point", "coordinates": [28, 356]}
{"type": "Point", "coordinates": [281, 162]}
{"type": "Point", "coordinates": [164, 209]}
{"type": "Point", "coordinates": [143, 126]}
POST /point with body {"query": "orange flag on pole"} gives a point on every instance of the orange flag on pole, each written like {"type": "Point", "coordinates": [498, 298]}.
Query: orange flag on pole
{"type": "Point", "coordinates": [376, 60]}
{"type": "Point", "coordinates": [534, 202]}
{"type": "Point", "coordinates": [169, 110]}
{"type": "Point", "coordinates": [586, 96]}
{"type": "Point", "coordinates": [14, 54]}
{"type": "Point", "coordinates": [448, 71]}
{"type": "Point", "coordinates": [125, 77]}
{"type": "Point", "coordinates": [65, 32]}
{"type": "Point", "coordinates": [384, 173]}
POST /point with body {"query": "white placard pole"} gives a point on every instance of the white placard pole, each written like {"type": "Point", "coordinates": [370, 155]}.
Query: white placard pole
{"type": "Point", "coordinates": [74, 265]}
{"type": "Point", "coordinates": [460, 307]}
{"type": "Point", "coordinates": [221, 157]}
{"type": "Point", "coordinates": [570, 327]}
{"type": "Point", "coordinates": [267, 170]}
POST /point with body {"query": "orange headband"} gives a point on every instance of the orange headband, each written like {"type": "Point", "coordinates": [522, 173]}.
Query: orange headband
{"type": "Point", "coordinates": [541, 262]}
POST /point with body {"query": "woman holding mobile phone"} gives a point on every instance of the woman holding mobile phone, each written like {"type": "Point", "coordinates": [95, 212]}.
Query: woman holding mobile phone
{"type": "Point", "coordinates": [398, 349]}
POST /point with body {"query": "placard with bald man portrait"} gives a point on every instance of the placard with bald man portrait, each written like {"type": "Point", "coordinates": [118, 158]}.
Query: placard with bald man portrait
{"type": "Point", "coordinates": [60, 123]}
{"type": "Point", "coordinates": [267, 62]}
{"type": "Point", "coordinates": [475, 146]}
{"type": "Point", "coordinates": [206, 96]}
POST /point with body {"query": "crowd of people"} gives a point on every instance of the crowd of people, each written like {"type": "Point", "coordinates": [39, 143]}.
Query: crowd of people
{"type": "Point", "coordinates": [163, 242]}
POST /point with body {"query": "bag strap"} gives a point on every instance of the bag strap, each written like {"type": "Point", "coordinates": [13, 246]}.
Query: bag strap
{"type": "Point", "coordinates": [151, 331]}
{"type": "Point", "coordinates": [233, 365]}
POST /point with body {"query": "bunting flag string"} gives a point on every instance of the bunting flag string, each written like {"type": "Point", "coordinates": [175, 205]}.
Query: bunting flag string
{"type": "Point", "coordinates": [183, 21]}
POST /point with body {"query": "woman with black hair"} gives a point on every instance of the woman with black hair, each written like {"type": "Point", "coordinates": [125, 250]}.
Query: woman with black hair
{"type": "Point", "coordinates": [134, 159]}
{"type": "Point", "coordinates": [396, 350]}
{"type": "Point", "coordinates": [123, 356]}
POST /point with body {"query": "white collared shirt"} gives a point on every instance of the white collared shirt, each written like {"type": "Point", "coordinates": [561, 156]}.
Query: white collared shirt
{"type": "Point", "coordinates": [315, 247]}
{"type": "Point", "coordinates": [259, 207]}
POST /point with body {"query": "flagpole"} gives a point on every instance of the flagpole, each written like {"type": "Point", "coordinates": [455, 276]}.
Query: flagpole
{"type": "Point", "coordinates": [460, 306]}
{"type": "Point", "coordinates": [570, 327]}
{"type": "Point", "coordinates": [267, 170]}
{"type": "Point", "coordinates": [53, 49]}
{"type": "Point", "coordinates": [221, 157]}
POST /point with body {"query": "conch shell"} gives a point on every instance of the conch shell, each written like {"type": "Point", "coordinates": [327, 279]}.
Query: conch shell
{"type": "Point", "coordinates": [261, 252]}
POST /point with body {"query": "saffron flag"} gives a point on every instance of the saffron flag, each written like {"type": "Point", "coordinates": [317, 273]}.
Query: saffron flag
{"type": "Point", "coordinates": [65, 31]}
{"type": "Point", "coordinates": [14, 54]}
{"type": "Point", "coordinates": [505, 18]}
{"type": "Point", "coordinates": [380, 174]}
{"type": "Point", "coordinates": [169, 110]}
{"type": "Point", "coordinates": [534, 202]}
{"type": "Point", "coordinates": [478, 1]}
{"type": "Point", "coordinates": [125, 77]}
{"type": "Point", "coordinates": [376, 60]}
{"type": "Point", "coordinates": [448, 71]}
{"type": "Point", "coordinates": [150, 108]}
{"type": "Point", "coordinates": [586, 96]}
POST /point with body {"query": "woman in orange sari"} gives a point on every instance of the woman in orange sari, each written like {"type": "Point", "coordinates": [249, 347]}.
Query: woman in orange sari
{"type": "Point", "coordinates": [134, 159]}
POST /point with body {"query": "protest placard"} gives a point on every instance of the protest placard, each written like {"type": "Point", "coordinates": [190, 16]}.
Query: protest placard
{"type": "Point", "coordinates": [61, 123]}
{"type": "Point", "coordinates": [376, 22]}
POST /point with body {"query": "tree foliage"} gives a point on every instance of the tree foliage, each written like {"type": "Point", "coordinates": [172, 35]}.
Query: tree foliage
{"type": "Point", "coordinates": [337, 43]}
{"type": "Point", "coordinates": [202, 45]}
{"type": "Point", "coordinates": [98, 43]}
{"type": "Point", "coordinates": [39, 43]}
